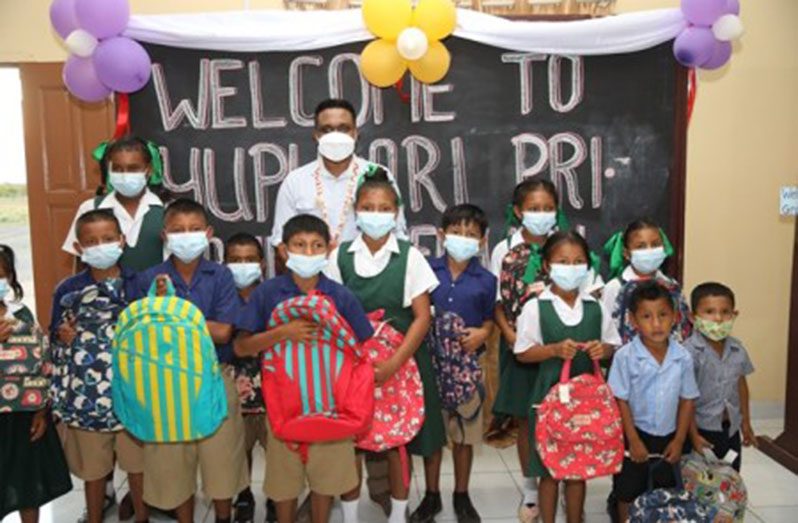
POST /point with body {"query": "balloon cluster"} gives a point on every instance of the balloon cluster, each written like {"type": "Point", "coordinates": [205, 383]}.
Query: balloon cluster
{"type": "Point", "coordinates": [713, 25]}
{"type": "Point", "coordinates": [101, 60]}
{"type": "Point", "coordinates": [409, 37]}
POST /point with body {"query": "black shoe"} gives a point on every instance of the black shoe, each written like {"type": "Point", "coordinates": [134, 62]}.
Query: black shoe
{"type": "Point", "coordinates": [271, 511]}
{"type": "Point", "coordinates": [244, 507]}
{"type": "Point", "coordinates": [429, 507]}
{"type": "Point", "coordinates": [464, 509]}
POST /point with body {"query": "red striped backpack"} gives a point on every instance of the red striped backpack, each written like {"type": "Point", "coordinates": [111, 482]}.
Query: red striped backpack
{"type": "Point", "coordinates": [318, 391]}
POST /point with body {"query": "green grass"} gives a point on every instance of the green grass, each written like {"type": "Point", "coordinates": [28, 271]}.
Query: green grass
{"type": "Point", "coordinates": [13, 204]}
{"type": "Point", "coordinates": [12, 190]}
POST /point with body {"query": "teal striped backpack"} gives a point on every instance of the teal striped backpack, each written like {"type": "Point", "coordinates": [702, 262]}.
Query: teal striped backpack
{"type": "Point", "coordinates": [167, 384]}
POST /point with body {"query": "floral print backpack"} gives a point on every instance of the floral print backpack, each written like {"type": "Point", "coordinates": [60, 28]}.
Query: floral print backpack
{"type": "Point", "coordinates": [716, 485]}
{"type": "Point", "coordinates": [667, 505]}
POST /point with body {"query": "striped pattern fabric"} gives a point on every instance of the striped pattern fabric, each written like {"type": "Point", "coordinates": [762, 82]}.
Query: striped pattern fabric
{"type": "Point", "coordinates": [167, 384]}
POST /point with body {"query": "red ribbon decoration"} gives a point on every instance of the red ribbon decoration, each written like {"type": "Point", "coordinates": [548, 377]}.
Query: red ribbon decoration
{"type": "Point", "coordinates": [692, 92]}
{"type": "Point", "coordinates": [122, 115]}
{"type": "Point", "coordinates": [404, 97]}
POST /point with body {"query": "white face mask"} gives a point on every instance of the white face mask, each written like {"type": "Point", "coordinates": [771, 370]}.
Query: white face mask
{"type": "Point", "coordinates": [336, 146]}
{"type": "Point", "coordinates": [128, 184]}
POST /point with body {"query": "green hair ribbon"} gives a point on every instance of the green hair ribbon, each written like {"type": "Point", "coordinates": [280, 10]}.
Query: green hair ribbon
{"type": "Point", "coordinates": [370, 172]}
{"type": "Point", "coordinates": [595, 262]}
{"type": "Point", "coordinates": [614, 251]}
{"type": "Point", "coordinates": [156, 162]}
{"type": "Point", "coordinates": [534, 264]}
{"type": "Point", "coordinates": [562, 221]}
{"type": "Point", "coordinates": [666, 243]}
{"type": "Point", "coordinates": [510, 220]}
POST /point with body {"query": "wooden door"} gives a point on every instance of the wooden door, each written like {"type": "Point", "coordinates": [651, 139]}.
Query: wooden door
{"type": "Point", "coordinates": [60, 133]}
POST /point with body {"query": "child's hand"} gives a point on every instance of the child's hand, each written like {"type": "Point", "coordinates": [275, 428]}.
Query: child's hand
{"type": "Point", "coordinates": [594, 349]}
{"type": "Point", "coordinates": [161, 283]}
{"type": "Point", "coordinates": [749, 438]}
{"type": "Point", "coordinates": [300, 331]}
{"type": "Point", "coordinates": [66, 332]}
{"type": "Point", "coordinates": [700, 444]}
{"type": "Point", "coordinates": [638, 452]}
{"type": "Point", "coordinates": [383, 370]}
{"type": "Point", "coordinates": [38, 425]}
{"type": "Point", "coordinates": [473, 338]}
{"type": "Point", "coordinates": [566, 349]}
{"type": "Point", "coordinates": [511, 341]}
{"type": "Point", "coordinates": [673, 452]}
{"type": "Point", "coordinates": [6, 329]}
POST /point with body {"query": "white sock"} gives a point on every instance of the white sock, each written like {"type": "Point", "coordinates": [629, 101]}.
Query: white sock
{"type": "Point", "coordinates": [109, 489]}
{"type": "Point", "coordinates": [398, 509]}
{"type": "Point", "coordinates": [350, 510]}
{"type": "Point", "coordinates": [530, 490]}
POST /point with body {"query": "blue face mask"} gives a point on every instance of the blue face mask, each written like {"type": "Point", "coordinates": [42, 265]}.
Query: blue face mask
{"type": "Point", "coordinates": [567, 277]}
{"type": "Point", "coordinates": [306, 266]}
{"type": "Point", "coordinates": [4, 287]}
{"type": "Point", "coordinates": [539, 223]}
{"type": "Point", "coordinates": [102, 256]}
{"type": "Point", "coordinates": [187, 246]}
{"type": "Point", "coordinates": [461, 248]}
{"type": "Point", "coordinates": [647, 261]}
{"type": "Point", "coordinates": [376, 224]}
{"type": "Point", "coordinates": [128, 184]}
{"type": "Point", "coordinates": [245, 274]}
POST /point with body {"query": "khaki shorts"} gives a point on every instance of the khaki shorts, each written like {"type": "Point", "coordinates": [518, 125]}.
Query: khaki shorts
{"type": "Point", "coordinates": [170, 469]}
{"type": "Point", "coordinates": [329, 471]}
{"type": "Point", "coordinates": [91, 455]}
{"type": "Point", "coordinates": [254, 431]}
{"type": "Point", "coordinates": [465, 432]}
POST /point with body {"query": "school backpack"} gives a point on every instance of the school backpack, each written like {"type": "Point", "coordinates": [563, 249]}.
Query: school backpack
{"type": "Point", "coordinates": [318, 391]}
{"type": "Point", "coordinates": [715, 484]}
{"type": "Point", "coordinates": [682, 328]}
{"type": "Point", "coordinates": [23, 371]}
{"type": "Point", "coordinates": [457, 372]}
{"type": "Point", "coordinates": [247, 375]}
{"type": "Point", "coordinates": [83, 373]}
{"type": "Point", "coordinates": [667, 505]}
{"type": "Point", "coordinates": [514, 291]}
{"type": "Point", "coordinates": [399, 402]}
{"type": "Point", "coordinates": [167, 383]}
{"type": "Point", "coordinates": [579, 433]}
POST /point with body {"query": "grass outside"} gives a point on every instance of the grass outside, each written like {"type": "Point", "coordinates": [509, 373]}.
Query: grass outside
{"type": "Point", "coordinates": [13, 204]}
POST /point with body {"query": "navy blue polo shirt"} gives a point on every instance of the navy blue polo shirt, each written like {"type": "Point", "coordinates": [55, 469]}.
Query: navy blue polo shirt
{"type": "Point", "coordinates": [472, 295]}
{"type": "Point", "coordinates": [79, 282]}
{"type": "Point", "coordinates": [254, 316]}
{"type": "Point", "coordinates": [212, 290]}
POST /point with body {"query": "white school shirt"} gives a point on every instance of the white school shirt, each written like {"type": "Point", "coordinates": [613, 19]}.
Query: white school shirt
{"type": "Point", "coordinates": [609, 295]}
{"type": "Point", "coordinates": [419, 278]}
{"type": "Point", "coordinates": [130, 225]}
{"type": "Point", "coordinates": [528, 325]}
{"type": "Point", "coordinates": [297, 195]}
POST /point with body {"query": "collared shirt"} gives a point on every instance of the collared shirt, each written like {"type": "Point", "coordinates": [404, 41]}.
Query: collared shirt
{"type": "Point", "coordinates": [130, 225]}
{"type": "Point", "coordinates": [652, 390]}
{"type": "Point", "coordinates": [255, 315]}
{"type": "Point", "coordinates": [718, 381]}
{"type": "Point", "coordinates": [419, 277]}
{"type": "Point", "coordinates": [212, 289]}
{"type": "Point", "coordinates": [470, 295]}
{"type": "Point", "coordinates": [528, 325]}
{"type": "Point", "coordinates": [79, 282]}
{"type": "Point", "coordinates": [297, 195]}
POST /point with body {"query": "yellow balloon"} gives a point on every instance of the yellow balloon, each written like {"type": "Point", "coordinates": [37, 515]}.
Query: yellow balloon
{"type": "Point", "coordinates": [433, 66]}
{"type": "Point", "coordinates": [381, 63]}
{"type": "Point", "coordinates": [437, 18]}
{"type": "Point", "coordinates": [387, 18]}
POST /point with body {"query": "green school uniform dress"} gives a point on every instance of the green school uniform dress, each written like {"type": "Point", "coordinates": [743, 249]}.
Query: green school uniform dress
{"type": "Point", "coordinates": [386, 291]}
{"type": "Point", "coordinates": [149, 247]}
{"type": "Point", "coordinates": [553, 330]}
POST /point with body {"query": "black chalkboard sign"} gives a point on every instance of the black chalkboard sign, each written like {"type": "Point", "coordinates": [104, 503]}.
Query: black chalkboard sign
{"type": "Point", "coordinates": [608, 130]}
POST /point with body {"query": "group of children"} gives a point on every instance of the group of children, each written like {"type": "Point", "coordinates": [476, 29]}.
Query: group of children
{"type": "Point", "coordinates": [544, 293]}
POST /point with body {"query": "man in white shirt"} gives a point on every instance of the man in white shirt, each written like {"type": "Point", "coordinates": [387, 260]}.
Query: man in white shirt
{"type": "Point", "coordinates": [326, 186]}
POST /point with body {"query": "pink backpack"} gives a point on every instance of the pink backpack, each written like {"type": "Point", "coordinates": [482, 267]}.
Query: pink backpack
{"type": "Point", "coordinates": [579, 432]}
{"type": "Point", "coordinates": [399, 403]}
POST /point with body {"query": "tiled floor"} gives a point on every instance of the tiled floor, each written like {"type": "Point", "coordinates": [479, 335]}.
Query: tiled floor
{"type": "Point", "coordinates": [773, 490]}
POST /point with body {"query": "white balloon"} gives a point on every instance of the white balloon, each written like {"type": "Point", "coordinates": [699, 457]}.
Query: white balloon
{"type": "Point", "coordinates": [81, 43]}
{"type": "Point", "coordinates": [412, 43]}
{"type": "Point", "coordinates": [728, 28]}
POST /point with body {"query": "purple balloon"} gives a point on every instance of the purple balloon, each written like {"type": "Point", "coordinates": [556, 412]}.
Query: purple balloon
{"type": "Point", "coordinates": [62, 16]}
{"type": "Point", "coordinates": [702, 12]}
{"type": "Point", "coordinates": [720, 56]}
{"type": "Point", "coordinates": [103, 18]}
{"type": "Point", "coordinates": [694, 46]}
{"type": "Point", "coordinates": [81, 79]}
{"type": "Point", "coordinates": [122, 64]}
{"type": "Point", "coordinates": [732, 7]}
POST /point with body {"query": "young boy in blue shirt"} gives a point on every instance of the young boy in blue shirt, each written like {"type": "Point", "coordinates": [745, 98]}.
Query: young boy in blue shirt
{"type": "Point", "coordinates": [170, 478]}
{"type": "Point", "coordinates": [330, 469]}
{"type": "Point", "coordinates": [653, 381]}
{"type": "Point", "coordinates": [469, 290]}
{"type": "Point", "coordinates": [722, 413]}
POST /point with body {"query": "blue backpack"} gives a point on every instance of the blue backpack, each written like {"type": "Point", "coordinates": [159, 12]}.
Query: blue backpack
{"type": "Point", "coordinates": [167, 382]}
{"type": "Point", "coordinates": [667, 505]}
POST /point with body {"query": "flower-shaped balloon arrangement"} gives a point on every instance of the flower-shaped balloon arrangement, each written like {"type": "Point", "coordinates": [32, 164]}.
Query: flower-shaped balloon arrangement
{"type": "Point", "coordinates": [409, 38]}
{"type": "Point", "coordinates": [713, 25]}
{"type": "Point", "coordinates": [101, 60]}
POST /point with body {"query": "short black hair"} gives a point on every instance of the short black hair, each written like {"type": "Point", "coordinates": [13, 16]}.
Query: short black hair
{"type": "Point", "coordinates": [334, 103]}
{"type": "Point", "coordinates": [531, 185]}
{"type": "Point", "coordinates": [243, 238]}
{"type": "Point", "coordinates": [9, 267]}
{"type": "Point", "coordinates": [465, 213]}
{"type": "Point", "coordinates": [638, 225]}
{"type": "Point", "coordinates": [94, 216]}
{"type": "Point", "coordinates": [560, 237]}
{"type": "Point", "coordinates": [649, 291]}
{"type": "Point", "coordinates": [185, 206]}
{"type": "Point", "coordinates": [378, 179]}
{"type": "Point", "coordinates": [707, 289]}
{"type": "Point", "coordinates": [305, 223]}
